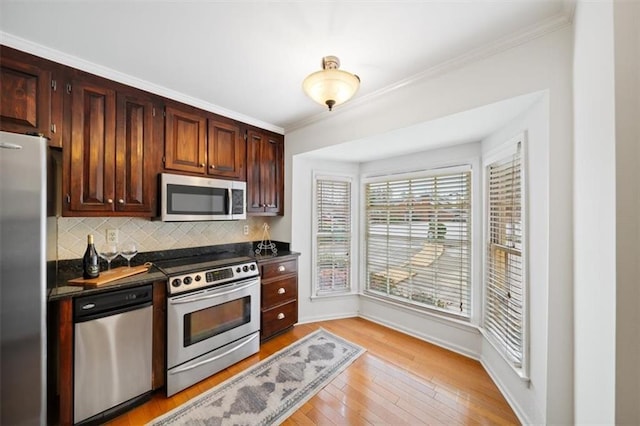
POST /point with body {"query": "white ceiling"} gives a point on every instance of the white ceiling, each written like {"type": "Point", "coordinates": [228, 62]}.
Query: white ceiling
{"type": "Point", "coordinates": [247, 59]}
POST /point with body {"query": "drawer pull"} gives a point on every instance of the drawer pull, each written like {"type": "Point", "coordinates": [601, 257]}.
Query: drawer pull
{"type": "Point", "coordinates": [281, 268]}
{"type": "Point", "coordinates": [280, 316]}
{"type": "Point", "coordinates": [281, 290]}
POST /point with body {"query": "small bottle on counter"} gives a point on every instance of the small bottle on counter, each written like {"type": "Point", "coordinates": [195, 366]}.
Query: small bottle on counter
{"type": "Point", "coordinates": [90, 265]}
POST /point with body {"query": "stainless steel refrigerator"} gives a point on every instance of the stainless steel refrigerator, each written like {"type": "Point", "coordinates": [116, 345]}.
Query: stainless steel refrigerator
{"type": "Point", "coordinates": [25, 245]}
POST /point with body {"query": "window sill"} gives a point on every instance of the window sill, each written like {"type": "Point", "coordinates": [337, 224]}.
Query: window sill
{"type": "Point", "coordinates": [333, 295]}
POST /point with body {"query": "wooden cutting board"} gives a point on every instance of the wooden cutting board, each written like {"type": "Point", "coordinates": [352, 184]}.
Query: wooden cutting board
{"type": "Point", "coordinates": [111, 275]}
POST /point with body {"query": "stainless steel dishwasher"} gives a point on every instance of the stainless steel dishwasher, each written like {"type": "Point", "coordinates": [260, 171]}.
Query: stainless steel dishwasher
{"type": "Point", "coordinates": [112, 352]}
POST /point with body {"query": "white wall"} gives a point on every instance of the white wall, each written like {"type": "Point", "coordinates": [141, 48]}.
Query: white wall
{"type": "Point", "coordinates": [595, 216]}
{"type": "Point", "coordinates": [543, 64]}
{"type": "Point", "coordinates": [626, 16]}
{"type": "Point", "coordinates": [530, 396]}
{"type": "Point", "coordinates": [317, 309]}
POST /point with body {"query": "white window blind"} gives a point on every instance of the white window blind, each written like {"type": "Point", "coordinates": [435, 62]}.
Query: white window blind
{"type": "Point", "coordinates": [332, 235]}
{"type": "Point", "coordinates": [504, 278]}
{"type": "Point", "coordinates": [418, 247]}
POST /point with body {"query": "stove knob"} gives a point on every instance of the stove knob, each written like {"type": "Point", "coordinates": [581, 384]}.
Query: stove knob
{"type": "Point", "coordinates": [245, 268]}
{"type": "Point", "coordinates": [187, 280]}
{"type": "Point", "coordinates": [252, 267]}
{"type": "Point", "coordinates": [176, 282]}
{"type": "Point", "coordinates": [238, 269]}
{"type": "Point", "coordinates": [198, 277]}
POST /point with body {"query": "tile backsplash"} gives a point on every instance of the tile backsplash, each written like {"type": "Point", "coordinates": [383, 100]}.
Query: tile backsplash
{"type": "Point", "coordinates": [153, 235]}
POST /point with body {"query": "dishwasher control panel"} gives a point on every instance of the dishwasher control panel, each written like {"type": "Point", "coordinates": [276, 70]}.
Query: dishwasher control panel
{"type": "Point", "coordinates": [105, 303]}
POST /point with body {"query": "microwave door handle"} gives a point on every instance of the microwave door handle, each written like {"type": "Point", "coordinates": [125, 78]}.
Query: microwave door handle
{"type": "Point", "coordinates": [229, 206]}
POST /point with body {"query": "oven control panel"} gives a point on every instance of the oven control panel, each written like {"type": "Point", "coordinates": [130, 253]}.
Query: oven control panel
{"type": "Point", "coordinates": [212, 277]}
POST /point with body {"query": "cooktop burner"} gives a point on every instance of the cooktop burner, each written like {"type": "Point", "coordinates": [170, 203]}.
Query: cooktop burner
{"type": "Point", "coordinates": [196, 272]}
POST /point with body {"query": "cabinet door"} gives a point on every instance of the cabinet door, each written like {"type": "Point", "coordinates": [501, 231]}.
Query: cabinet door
{"type": "Point", "coordinates": [272, 185]}
{"type": "Point", "coordinates": [92, 148]}
{"type": "Point", "coordinates": [224, 148]}
{"type": "Point", "coordinates": [134, 139]}
{"type": "Point", "coordinates": [265, 175]}
{"type": "Point", "coordinates": [185, 141]}
{"type": "Point", "coordinates": [254, 193]}
{"type": "Point", "coordinates": [25, 99]}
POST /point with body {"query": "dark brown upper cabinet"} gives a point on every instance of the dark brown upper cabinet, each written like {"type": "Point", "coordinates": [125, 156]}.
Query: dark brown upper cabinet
{"type": "Point", "coordinates": [109, 166]}
{"type": "Point", "coordinates": [225, 149]}
{"type": "Point", "coordinates": [265, 173]}
{"type": "Point", "coordinates": [185, 147]}
{"type": "Point", "coordinates": [196, 142]}
{"type": "Point", "coordinates": [27, 89]}
{"type": "Point", "coordinates": [136, 158]}
{"type": "Point", "coordinates": [90, 165]}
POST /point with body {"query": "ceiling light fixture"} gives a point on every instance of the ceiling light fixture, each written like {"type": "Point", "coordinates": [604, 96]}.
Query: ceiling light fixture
{"type": "Point", "coordinates": [331, 86]}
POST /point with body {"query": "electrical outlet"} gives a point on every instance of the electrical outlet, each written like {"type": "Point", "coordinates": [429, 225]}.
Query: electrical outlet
{"type": "Point", "coordinates": [246, 230]}
{"type": "Point", "coordinates": [112, 236]}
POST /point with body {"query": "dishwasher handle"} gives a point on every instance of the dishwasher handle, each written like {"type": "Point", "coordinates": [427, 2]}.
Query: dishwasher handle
{"type": "Point", "coordinates": [100, 305]}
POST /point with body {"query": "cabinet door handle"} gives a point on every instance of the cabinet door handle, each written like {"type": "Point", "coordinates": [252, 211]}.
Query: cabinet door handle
{"type": "Point", "coordinates": [280, 316]}
{"type": "Point", "coordinates": [211, 166]}
{"type": "Point", "coordinates": [202, 164]}
{"type": "Point", "coordinates": [109, 201]}
{"type": "Point", "coordinates": [281, 290]}
{"type": "Point", "coordinates": [120, 201]}
{"type": "Point", "coordinates": [281, 268]}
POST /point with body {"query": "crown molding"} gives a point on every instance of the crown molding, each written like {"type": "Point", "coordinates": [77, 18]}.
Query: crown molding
{"type": "Point", "coordinates": [111, 74]}
{"type": "Point", "coordinates": [530, 33]}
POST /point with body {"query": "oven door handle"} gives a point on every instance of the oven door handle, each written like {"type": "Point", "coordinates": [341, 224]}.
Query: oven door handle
{"type": "Point", "coordinates": [206, 361]}
{"type": "Point", "coordinates": [210, 296]}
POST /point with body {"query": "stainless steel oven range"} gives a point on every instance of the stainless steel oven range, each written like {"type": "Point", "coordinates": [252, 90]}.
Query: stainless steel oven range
{"type": "Point", "coordinates": [213, 317]}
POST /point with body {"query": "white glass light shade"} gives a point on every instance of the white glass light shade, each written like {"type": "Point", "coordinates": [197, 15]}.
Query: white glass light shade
{"type": "Point", "coordinates": [331, 87]}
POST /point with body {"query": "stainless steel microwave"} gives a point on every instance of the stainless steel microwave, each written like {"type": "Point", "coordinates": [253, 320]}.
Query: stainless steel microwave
{"type": "Point", "coordinates": [190, 198]}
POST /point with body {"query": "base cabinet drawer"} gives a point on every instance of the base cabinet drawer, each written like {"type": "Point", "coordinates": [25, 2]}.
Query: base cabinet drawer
{"type": "Point", "coordinates": [279, 269]}
{"type": "Point", "coordinates": [278, 292]}
{"type": "Point", "coordinates": [279, 318]}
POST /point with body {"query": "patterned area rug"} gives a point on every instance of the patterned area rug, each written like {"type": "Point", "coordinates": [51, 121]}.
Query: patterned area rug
{"type": "Point", "coordinates": [270, 391]}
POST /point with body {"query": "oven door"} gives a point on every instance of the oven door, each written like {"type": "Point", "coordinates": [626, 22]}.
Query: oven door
{"type": "Point", "coordinates": [205, 320]}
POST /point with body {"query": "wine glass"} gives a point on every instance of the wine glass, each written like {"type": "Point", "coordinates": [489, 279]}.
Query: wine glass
{"type": "Point", "coordinates": [108, 252]}
{"type": "Point", "coordinates": [128, 250]}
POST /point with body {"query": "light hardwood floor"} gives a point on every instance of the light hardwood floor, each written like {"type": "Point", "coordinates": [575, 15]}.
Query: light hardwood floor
{"type": "Point", "coordinates": [399, 380]}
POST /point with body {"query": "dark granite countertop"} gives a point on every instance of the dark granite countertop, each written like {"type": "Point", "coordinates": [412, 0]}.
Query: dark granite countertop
{"type": "Point", "coordinates": [69, 269]}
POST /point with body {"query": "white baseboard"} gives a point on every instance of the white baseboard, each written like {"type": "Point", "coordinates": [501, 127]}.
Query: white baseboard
{"type": "Point", "coordinates": [520, 413]}
{"type": "Point", "coordinates": [307, 320]}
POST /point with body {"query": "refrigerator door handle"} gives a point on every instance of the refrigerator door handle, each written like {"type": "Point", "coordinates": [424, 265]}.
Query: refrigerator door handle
{"type": "Point", "coordinates": [8, 145]}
